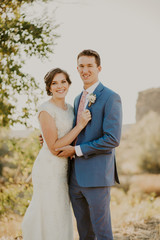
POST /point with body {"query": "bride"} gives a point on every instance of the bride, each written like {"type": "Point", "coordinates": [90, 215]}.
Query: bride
{"type": "Point", "coordinates": [49, 216]}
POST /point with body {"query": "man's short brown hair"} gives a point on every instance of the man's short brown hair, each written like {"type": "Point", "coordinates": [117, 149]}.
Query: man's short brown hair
{"type": "Point", "coordinates": [90, 53]}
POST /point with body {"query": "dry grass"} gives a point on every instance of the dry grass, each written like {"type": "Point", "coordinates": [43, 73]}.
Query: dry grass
{"type": "Point", "coordinates": [135, 216]}
{"type": "Point", "coordinates": [144, 183]}
{"type": "Point", "coordinates": [10, 226]}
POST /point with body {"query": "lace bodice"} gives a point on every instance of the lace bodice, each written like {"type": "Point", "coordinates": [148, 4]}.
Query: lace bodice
{"type": "Point", "coordinates": [63, 118]}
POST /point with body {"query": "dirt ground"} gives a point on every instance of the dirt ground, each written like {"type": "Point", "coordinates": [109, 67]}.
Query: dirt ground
{"type": "Point", "coordinates": [10, 229]}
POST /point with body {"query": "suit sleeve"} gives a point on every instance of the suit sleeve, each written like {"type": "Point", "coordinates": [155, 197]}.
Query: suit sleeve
{"type": "Point", "coordinates": [112, 123]}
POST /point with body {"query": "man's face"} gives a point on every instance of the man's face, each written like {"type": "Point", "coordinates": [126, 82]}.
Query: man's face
{"type": "Point", "coordinates": [88, 70]}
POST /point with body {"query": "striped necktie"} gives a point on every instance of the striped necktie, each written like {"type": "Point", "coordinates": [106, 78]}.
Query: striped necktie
{"type": "Point", "coordinates": [81, 105]}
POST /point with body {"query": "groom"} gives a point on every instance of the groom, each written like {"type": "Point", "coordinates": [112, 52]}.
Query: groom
{"type": "Point", "coordinates": [93, 170]}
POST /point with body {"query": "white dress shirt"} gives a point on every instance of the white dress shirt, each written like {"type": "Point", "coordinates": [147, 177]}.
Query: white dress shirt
{"type": "Point", "coordinates": [90, 90]}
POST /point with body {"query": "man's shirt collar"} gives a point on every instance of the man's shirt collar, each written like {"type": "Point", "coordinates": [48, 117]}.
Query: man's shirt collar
{"type": "Point", "coordinates": [92, 88]}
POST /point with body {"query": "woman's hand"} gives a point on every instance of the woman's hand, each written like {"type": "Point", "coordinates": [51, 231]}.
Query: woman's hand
{"type": "Point", "coordinates": [41, 140]}
{"type": "Point", "coordinates": [85, 118]}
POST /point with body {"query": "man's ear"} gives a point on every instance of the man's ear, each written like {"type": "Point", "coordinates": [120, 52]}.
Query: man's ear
{"type": "Point", "coordinates": [99, 68]}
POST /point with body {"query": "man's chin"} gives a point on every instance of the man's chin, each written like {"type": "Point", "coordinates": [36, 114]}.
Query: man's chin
{"type": "Point", "coordinates": [87, 81]}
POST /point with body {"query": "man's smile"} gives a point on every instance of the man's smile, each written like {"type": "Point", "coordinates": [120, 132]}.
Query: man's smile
{"type": "Point", "coordinates": [86, 76]}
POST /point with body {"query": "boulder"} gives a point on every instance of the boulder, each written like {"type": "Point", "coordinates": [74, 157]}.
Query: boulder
{"type": "Point", "coordinates": [148, 100]}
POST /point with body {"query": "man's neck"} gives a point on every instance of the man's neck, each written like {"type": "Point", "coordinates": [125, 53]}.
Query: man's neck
{"type": "Point", "coordinates": [92, 87]}
{"type": "Point", "coordinates": [89, 85]}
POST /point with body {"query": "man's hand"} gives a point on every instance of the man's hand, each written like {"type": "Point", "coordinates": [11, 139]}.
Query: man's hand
{"type": "Point", "coordinates": [67, 151]}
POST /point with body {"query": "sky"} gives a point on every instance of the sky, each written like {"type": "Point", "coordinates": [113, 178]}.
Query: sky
{"type": "Point", "coordinates": [126, 34]}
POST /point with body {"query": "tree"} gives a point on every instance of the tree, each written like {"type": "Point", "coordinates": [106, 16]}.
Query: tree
{"type": "Point", "coordinates": [21, 36]}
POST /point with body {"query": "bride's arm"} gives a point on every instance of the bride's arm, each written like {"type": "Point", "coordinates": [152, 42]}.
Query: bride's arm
{"type": "Point", "coordinates": [49, 130]}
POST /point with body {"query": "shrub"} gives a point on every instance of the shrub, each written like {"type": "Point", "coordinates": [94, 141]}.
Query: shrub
{"type": "Point", "coordinates": [150, 144]}
{"type": "Point", "coordinates": [16, 166]}
{"type": "Point", "coordinates": [150, 159]}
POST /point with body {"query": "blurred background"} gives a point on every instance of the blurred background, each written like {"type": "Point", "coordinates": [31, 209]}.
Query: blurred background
{"type": "Point", "coordinates": [38, 35]}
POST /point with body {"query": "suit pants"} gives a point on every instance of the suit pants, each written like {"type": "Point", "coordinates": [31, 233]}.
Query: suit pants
{"type": "Point", "coordinates": [91, 206]}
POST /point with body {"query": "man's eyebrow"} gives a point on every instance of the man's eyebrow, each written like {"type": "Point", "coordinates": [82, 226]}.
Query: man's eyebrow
{"type": "Point", "coordinates": [89, 64]}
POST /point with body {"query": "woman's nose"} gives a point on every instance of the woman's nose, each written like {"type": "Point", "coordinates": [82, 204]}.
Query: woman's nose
{"type": "Point", "coordinates": [59, 85]}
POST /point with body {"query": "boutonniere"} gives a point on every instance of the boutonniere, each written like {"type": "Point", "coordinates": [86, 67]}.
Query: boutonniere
{"type": "Point", "coordinates": [91, 99]}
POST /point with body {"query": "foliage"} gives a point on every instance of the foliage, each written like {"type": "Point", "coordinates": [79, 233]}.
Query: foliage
{"type": "Point", "coordinates": [150, 143]}
{"type": "Point", "coordinates": [150, 159]}
{"type": "Point", "coordinates": [17, 165]}
{"type": "Point", "coordinates": [20, 157]}
{"type": "Point", "coordinates": [15, 198]}
{"type": "Point", "coordinates": [21, 36]}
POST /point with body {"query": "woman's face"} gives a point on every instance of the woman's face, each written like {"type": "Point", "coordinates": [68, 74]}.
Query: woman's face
{"type": "Point", "coordinates": [59, 86]}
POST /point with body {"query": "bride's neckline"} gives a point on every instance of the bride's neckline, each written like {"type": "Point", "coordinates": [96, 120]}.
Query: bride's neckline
{"type": "Point", "coordinates": [58, 106]}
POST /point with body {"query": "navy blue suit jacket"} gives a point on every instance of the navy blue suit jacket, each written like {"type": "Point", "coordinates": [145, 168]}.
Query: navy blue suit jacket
{"type": "Point", "coordinates": [97, 166]}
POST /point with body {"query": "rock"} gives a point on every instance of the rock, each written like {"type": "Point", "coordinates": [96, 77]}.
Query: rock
{"type": "Point", "coordinates": [148, 100]}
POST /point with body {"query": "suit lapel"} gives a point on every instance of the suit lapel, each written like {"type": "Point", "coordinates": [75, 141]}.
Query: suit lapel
{"type": "Point", "coordinates": [97, 92]}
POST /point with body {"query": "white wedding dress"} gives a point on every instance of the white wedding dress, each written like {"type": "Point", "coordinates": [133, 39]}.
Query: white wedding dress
{"type": "Point", "coordinates": [49, 215]}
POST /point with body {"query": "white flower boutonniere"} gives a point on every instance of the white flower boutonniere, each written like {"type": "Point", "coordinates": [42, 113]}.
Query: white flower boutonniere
{"type": "Point", "coordinates": [91, 99]}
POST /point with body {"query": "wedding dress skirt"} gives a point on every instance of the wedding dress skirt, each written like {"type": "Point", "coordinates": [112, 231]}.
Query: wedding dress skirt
{"type": "Point", "coordinates": [49, 215]}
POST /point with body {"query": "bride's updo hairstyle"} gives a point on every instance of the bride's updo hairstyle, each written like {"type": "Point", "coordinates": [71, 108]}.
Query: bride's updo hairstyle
{"type": "Point", "coordinates": [50, 76]}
